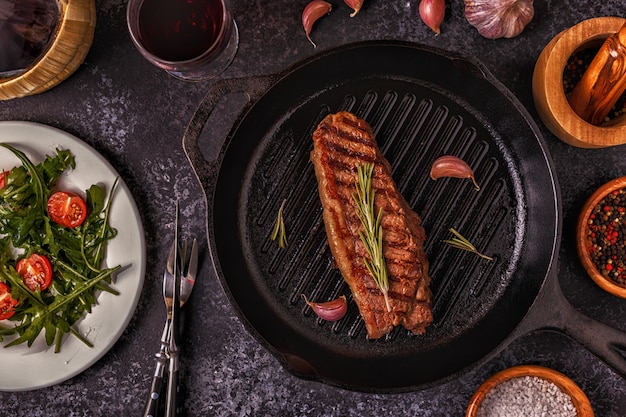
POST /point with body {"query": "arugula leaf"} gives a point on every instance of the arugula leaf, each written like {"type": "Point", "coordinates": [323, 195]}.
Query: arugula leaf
{"type": "Point", "coordinates": [46, 316]}
{"type": "Point", "coordinates": [76, 254]}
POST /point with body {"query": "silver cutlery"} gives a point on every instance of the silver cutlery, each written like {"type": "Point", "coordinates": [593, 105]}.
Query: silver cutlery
{"type": "Point", "coordinates": [187, 277]}
{"type": "Point", "coordinates": [178, 281]}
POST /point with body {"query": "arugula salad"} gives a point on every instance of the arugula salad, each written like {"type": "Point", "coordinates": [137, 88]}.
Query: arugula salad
{"type": "Point", "coordinates": [52, 247]}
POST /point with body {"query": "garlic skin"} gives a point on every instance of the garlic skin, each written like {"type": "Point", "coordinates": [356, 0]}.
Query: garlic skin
{"type": "Point", "coordinates": [452, 166]}
{"type": "Point", "coordinates": [313, 11]}
{"type": "Point", "coordinates": [499, 18]}
{"type": "Point", "coordinates": [330, 310]}
{"type": "Point", "coordinates": [355, 5]}
{"type": "Point", "coordinates": [432, 13]}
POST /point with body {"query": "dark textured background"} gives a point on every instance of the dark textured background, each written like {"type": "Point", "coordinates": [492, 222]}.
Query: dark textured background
{"type": "Point", "coordinates": [135, 115]}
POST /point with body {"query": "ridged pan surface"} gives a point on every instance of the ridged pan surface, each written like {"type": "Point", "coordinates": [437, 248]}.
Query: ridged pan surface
{"type": "Point", "coordinates": [422, 103]}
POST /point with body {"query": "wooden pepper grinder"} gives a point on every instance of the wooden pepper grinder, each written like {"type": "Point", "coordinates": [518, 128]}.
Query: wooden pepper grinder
{"type": "Point", "coordinates": [603, 82]}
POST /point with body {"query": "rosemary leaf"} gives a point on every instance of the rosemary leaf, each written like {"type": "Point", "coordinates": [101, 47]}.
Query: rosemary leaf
{"type": "Point", "coordinates": [372, 233]}
{"type": "Point", "coordinates": [279, 228]}
{"type": "Point", "coordinates": [460, 242]}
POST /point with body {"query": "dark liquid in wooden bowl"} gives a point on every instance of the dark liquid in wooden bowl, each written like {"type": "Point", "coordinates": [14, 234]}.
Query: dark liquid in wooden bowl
{"type": "Point", "coordinates": [27, 28]}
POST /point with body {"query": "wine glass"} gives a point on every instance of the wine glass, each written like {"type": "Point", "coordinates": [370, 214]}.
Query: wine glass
{"type": "Point", "coordinates": [193, 40]}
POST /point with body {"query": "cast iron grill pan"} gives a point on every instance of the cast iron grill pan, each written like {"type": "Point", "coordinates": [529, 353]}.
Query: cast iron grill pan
{"type": "Point", "coordinates": [421, 103]}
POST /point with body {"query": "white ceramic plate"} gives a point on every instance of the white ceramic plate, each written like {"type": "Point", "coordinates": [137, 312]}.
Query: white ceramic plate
{"type": "Point", "coordinates": [26, 368]}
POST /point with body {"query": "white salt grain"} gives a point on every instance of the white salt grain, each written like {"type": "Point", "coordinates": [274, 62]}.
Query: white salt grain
{"type": "Point", "coordinates": [527, 396]}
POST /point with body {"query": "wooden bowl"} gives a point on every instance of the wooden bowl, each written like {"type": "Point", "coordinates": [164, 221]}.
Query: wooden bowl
{"type": "Point", "coordinates": [569, 387]}
{"type": "Point", "coordinates": [581, 238]}
{"type": "Point", "coordinates": [65, 54]}
{"type": "Point", "coordinates": [549, 95]}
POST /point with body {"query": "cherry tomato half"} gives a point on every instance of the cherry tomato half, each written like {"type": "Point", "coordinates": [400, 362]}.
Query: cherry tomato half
{"type": "Point", "coordinates": [67, 209]}
{"type": "Point", "coordinates": [3, 178]}
{"type": "Point", "coordinates": [36, 271]}
{"type": "Point", "coordinates": [7, 303]}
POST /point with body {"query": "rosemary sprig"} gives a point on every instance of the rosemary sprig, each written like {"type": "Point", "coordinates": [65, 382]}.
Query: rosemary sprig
{"type": "Point", "coordinates": [372, 233]}
{"type": "Point", "coordinates": [279, 228]}
{"type": "Point", "coordinates": [460, 242]}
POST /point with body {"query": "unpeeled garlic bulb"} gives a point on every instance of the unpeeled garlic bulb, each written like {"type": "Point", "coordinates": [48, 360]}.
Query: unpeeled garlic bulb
{"type": "Point", "coordinates": [499, 18]}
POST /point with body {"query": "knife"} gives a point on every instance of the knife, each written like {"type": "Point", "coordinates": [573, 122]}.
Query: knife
{"type": "Point", "coordinates": [171, 408]}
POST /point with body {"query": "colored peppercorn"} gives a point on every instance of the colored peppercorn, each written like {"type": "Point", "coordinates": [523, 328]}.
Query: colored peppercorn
{"type": "Point", "coordinates": [606, 236]}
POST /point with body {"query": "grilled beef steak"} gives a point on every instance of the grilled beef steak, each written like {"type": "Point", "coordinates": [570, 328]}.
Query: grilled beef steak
{"type": "Point", "coordinates": [342, 141]}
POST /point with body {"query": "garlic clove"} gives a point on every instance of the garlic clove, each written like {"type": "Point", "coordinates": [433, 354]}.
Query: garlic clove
{"type": "Point", "coordinates": [452, 166]}
{"type": "Point", "coordinates": [432, 13]}
{"type": "Point", "coordinates": [311, 13]}
{"type": "Point", "coordinates": [330, 310]}
{"type": "Point", "coordinates": [355, 5]}
{"type": "Point", "coordinates": [499, 18]}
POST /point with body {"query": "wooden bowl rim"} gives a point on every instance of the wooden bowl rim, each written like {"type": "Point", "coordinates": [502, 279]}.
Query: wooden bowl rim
{"type": "Point", "coordinates": [70, 10]}
{"type": "Point", "coordinates": [563, 382]}
{"type": "Point", "coordinates": [581, 237]}
{"type": "Point", "coordinates": [553, 105]}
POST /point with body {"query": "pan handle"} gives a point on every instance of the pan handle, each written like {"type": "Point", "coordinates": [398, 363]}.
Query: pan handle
{"type": "Point", "coordinates": [604, 341]}
{"type": "Point", "coordinates": [554, 312]}
{"type": "Point", "coordinates": [254, 87]}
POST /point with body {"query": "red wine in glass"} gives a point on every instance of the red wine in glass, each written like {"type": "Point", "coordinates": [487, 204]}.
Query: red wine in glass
{"type": "Point", "coordinates": [191, 39]}
{"type": "Point", "coordinates": [180, 30]}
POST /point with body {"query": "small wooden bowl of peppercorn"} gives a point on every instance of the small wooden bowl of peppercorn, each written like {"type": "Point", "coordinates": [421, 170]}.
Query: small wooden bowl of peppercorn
{"type": "Point", "coordinates": [601, 237]}
{"type": "Point", "coordinates": [526, 390]}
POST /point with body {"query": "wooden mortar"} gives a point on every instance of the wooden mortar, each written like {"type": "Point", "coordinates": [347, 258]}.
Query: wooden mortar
{"type": "Point", "coordinates": [553, 106]}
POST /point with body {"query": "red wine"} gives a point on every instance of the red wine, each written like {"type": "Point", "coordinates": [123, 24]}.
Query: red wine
{"type": "Point", "coordinates": [180, 30]}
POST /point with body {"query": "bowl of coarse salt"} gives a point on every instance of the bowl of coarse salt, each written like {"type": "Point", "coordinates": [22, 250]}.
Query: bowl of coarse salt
{"type": "Point", "coordinates": [529, 391]}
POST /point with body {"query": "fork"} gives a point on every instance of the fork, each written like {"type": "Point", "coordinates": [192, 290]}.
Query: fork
{"type": "Point", "coordinates": [187, 281]}
{"type": "Point", "coordinates": [187, 276]}
{"type": "Point", "coordinates": [162, 355]}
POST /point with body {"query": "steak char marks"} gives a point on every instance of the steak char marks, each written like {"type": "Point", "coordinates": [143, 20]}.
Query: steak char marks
{"type": "Point", "coordinates": [343, 141]}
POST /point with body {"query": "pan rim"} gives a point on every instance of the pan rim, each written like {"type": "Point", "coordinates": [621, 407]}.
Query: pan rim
{"type": "Point", "coordinates": [507, 96]}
